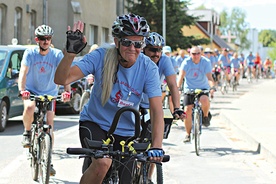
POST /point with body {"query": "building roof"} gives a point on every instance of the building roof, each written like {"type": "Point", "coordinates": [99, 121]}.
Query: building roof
{"type": "Point", "coordinates": [220, 42]}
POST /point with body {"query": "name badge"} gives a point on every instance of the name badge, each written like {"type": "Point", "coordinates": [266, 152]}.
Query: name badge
{"type": "Point", "coordinates": [124, 103]}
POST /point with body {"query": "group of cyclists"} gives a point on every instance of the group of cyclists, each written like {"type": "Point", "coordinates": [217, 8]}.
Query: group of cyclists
{"type": "Point", "coordinates": [129, 72]}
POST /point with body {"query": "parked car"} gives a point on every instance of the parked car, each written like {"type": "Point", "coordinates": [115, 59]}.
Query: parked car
{"type": "Point", "coordinates": [10, 104]}
{"type": "Point", "coordinates": [77, 89]}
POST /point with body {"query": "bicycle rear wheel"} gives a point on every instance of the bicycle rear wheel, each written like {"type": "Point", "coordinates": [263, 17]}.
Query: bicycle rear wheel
{"type": "Point", "coordinates": [45, 158]}
{"type": "Point", "coordinates": [197, 131]}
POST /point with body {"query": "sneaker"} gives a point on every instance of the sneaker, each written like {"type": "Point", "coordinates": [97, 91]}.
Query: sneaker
{"type": "Point", "coordinates": [52, 170]}
{"type": "Point", "coordinates": [150, 182]}
{"type": "Point", "coordinates": [187, 139]}
{"type": "Point", "coordinates": [206, 121]}
{"type": "Point", "coordinates": [26, 142]}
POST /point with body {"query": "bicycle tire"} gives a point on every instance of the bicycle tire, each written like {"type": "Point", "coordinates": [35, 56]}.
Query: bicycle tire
{"type": "Point", "coordinates": [45, 158]}
{"type": "Point", "coordinates": [33, 153]}
{"type": "Point", "coordinates": [197, 131]}
{"type": "Point", "coordinates": [157, 176]}
{"type": "Point", "coordinates": [136, 173]}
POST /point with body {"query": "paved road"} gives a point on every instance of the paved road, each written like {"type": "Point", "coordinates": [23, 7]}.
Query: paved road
{"type": "Point", "coordinates": [226, 155]}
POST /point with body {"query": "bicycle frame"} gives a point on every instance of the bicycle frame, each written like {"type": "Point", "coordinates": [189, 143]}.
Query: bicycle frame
{"type": "Point", "coordinates": [197, 118]}
{"type": "Point", "coordinates": [131, 148]}
{"type": "Point", "coordinates": [41, 140]}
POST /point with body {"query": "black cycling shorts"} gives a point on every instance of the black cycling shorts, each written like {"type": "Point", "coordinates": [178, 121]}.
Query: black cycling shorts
{"type": "Point", "coordinates": [189, 99]}
{"type": "Point", "coordinates": [93, 131]}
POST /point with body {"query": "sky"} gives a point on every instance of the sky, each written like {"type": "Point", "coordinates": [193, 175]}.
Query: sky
{"type": "Point", "coordinates": [260, 14]}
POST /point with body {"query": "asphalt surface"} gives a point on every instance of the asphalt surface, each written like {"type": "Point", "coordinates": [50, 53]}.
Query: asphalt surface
{"type": "Point", "coordinates": [251, 113]}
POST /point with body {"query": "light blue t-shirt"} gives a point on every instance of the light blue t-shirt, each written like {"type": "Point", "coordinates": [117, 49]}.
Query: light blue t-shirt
{"type": "Point", "coordinates": [235, 63]}
{"type": "Point", "coordinates": [40, 77]}
{"type": "Point", "coordinates": [131, 83]}
{"type": "Point", "coordinates": [224, 60]}
{"type": "Point", "coordinates": [165, 69]}
{"type": "Point", "coordinates": [250, 60]}
{"type": "Point", "coordinates": [179, 60]}
{"type": "Point", "coordinates": [195, 77]}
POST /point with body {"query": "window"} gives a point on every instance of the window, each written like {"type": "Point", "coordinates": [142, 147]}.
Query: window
{"type": "Point", "coordinates": [18, 24]}
{"type": "Point", "coordinates": [105, 35]}
{"type": "Point", "coordinates": [93, 35]}
{"type": "Point", "coordinates": [32, 26]}
{"type": "Point", "coordinates": [3, 11]}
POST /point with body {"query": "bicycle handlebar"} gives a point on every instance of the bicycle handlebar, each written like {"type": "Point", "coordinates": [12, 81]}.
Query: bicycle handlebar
{"type": "Point", "coordinates": [116, 120]}
{"type": "Point", "coordinates": [45, 98]}
{"type": "Point", "coordinates": [197, 91]}
{"type": "Point", "coordinates": [102, 154]}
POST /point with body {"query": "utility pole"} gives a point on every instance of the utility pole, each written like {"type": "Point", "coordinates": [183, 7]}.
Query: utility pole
{"type": "Point", "coordinates": [164, 20]}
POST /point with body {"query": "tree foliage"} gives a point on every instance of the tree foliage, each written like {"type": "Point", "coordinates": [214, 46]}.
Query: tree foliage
{"type": "Point", "coordinates": [176, 18]}
{"type": "Point", "coordinates": [235, 22]}
{"type": "Point", "coordinates": [267, 37]}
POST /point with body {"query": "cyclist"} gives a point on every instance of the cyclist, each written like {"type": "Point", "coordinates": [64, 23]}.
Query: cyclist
{"type": "Point", "coordinates": [235, 66]}
{"type": "Point", "coordinates": [249, 62]}
{"type": "Point", "coordinates": [122, 73]}
{"type": "Point", "coordinates": [225, 62]}
{"type": "Point", "coordinates": [180, 58]}
{"type": "Point", "coordinates": [36, 76]}
{"type": "Point", "coordinates": [153, 50]}
{"type": "Point", "coordinates": [257, 65]}
{"type": "Point", "coordinates": [197, 71]}
{"type": "Point", "coordinates": [167, 50]}
{"type": "Point", "coordinates": [267, 67]}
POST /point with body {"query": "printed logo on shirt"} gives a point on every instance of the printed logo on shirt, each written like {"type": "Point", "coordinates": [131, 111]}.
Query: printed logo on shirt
{"type": "Point", "coordinates": [42, 70]}
{"type": "Point", "coordinates": [118, 96]}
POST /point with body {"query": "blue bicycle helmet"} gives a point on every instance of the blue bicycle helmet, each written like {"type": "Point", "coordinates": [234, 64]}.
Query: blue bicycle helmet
{"type": "Point", "coordinates": [155, 39]}
{"type": "Point", "coordinates": [130, 25]}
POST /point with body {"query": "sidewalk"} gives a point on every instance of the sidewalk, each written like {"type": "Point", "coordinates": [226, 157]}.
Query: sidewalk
{"type": "Point", "coordinates": [253, 115]}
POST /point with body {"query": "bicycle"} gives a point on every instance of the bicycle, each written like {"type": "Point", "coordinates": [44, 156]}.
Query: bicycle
{"type": "Point", "coordinates": [41, 141]}
{"type": "Point", "coordinates": [234, 82]}
{"type": "Point", "coordinates": [197, 115]}
{"type": "Point", "coordinates": [133, 149]}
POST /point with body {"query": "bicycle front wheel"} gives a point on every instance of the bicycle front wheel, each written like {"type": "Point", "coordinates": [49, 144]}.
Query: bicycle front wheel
{"type": "Point", "coordinates": [197, 131]}
{"type": "Point", "coordinates": [45, 158]}
{"type": "Point", "coordinates": [157, 174]}
{"type": "Point", "coordinates": [140, 173]}
{"type": "Point", "coordinates": [33, 156]}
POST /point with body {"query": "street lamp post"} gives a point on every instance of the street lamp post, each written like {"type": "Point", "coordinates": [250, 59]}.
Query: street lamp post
{"type": "Point", "coordinates": [164, 20]}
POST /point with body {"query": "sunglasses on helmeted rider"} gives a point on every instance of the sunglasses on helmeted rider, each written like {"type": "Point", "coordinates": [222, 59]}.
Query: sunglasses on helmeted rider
{"type": "Point", "coordinates": [43, 38]}
{"type": "Point", "coordinates": [155, 49]}
{"type": "Point", "coordinates": [126, 43]}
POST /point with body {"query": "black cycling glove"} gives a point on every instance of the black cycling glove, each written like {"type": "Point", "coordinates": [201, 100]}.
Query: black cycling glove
{"type": "Point", "coordinates": [178, 111]}
{"type": "Point", "coordinates": [74, 42]}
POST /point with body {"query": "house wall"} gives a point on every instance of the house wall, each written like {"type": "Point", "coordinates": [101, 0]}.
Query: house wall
{"type": "Point", "coordinates": [194, 31]}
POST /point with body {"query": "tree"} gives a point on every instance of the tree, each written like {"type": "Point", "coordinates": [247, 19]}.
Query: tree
{"type": "Point", "coordinates": [176, 18]}
{"type": "Point", "coordinates": [267, 37]}
{"type": "Point", "coordinates": [272, 52]}
{"type": "Point", "coordinates": [235, 22]}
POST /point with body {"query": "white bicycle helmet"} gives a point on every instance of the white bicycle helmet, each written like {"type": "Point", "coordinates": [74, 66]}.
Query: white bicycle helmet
{"type": "Point", "coordinates": [155, 39]}
{"type": "Point", "coordinates": [44, 30]}
{"type": "Point", "coordinates": [130, 25]}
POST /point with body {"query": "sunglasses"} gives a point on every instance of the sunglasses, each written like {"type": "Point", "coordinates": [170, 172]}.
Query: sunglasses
{"type": "Point", "coordinates": [155, 49]}
{"type": "Point", "coordinates": [126, 43]}
{"type": "Point", "coordinates": [42, 38]}
{"type": "Point", "coordinates": [196, 53]}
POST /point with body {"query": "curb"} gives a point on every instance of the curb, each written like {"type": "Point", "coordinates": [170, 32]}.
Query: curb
{"type": "Point", "coordinates": [255, 144]}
